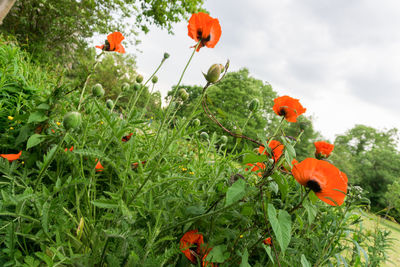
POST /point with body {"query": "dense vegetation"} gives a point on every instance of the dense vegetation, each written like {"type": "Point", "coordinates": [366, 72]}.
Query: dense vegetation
{"type": "Point", "coordinates": [109, 177]}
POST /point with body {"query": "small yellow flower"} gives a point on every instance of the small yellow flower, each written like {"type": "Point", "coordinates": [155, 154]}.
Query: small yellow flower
{"type": "Point", "coordinates": [191, 173]}
{"type": "Point", "coordinates": [11, 128]}
{"type": "Point", "coordinates": [101, 122]}
{"type": "Point", "coordinates": [10, 118]}
{"type": "Point", "coordinates": [241, 236]}
{"type": "Point", "coordinates": [23, 162]}
{"type": "Point", "coordinates": [58, 123]}
{"type": "Point", "coordinates": [184, 169]}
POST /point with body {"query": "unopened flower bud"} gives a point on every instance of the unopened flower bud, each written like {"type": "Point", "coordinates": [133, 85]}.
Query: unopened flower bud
{"type": "Point", "coordinates": [204, 135]}
{"type": "Point", "coordinates": [183, 94]}
{"type": "Point", "coordinates": [224, 139]}
{"type": "Point", "coordinates": [97, 90]}
{"type": "Point", "coordinates": [254, 104]}
{"type": "Point", "coordinates": [109, 103]}
{"type": "Point", "coordinates": [196, 122]}
{"type": "Point", "coordinates": [154, 79]}
{"type": "Point", "coordinates": [166, 55]}
{"type": "Point", "coordinates": [72, 120]}
{"type": "Point", "coordinates": [125, 87]}
{"type": "Point", "coordinates": [213, 73]}
{"type": "Point", "coordinates": [139, 78]}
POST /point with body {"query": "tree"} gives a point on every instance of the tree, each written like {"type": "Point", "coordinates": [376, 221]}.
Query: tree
{"type": "Point", "coordinates": [58, 27]}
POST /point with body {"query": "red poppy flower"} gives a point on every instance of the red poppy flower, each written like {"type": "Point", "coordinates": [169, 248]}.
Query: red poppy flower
{"type": "Point", "coordinates": [99, 167]}
{"type": "Point", "coordinates": [70, 149]}
{"type": "Point", "coordinates": [267, 241]}
{"type": "Point", "coordinates": [113, 43]}
{"type": "Point", "coordinates": [126, 137]}
{"type": "Point", "coordinates": [205, 29]}
{"type": "Point", "coordinates": [327, 181]}
{"type": "Point", "coordinates": [323, 149]}
{"type": "Point", "coordinates": [136, 164]}
{"type": "Point", "coordinates": [276, 147]}
{"type": "Point", "coordinates": [190, 245]}
{"type": "Point", "coordinates": [256, 167]}
{"type": "Point", "coordinates": [11, 157]}
{"type": "Point", "coordinates": [288, 107]}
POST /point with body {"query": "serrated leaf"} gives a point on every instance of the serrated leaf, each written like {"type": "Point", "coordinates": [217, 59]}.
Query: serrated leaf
{"type": "Point", "coordinates": [43, 106]}
{"type": "Point", "coordinates": [235, 192]}
{"type": "Point", "coordinates": [304, 261]}
{"type": "Point", "coordinates": [253, 158]}
{"type": "Point", "coordinates": [269, 252]}
{"type": "Point", "coordinates": [34, 140]}
{"type": "Point", "coordinates": [218, 254]}
{"type": "Point", "coordinates": [37, 116]}
{"type": "Point", "coordinates": [281, 225]}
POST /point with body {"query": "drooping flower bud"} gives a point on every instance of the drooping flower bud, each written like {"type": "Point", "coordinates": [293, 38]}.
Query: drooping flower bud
{"type": "Point", "coordinates": [154, 79]}
{"type": "Point", "coordinates": [213, 73]}
{"type": "Point", "coordinates": [196, 122]}
{"type": "Point", "coordinates": [224, 139]}
{"type": "Point", "coordinates": [72, 120]}
{"type": "Point", "coordinates": [254, 104]}
{"type": "Point", "coordinates": [204, 135]}
{"type": "Point", "coordinates": [166, 55]}
{"type": "Point", "coordinates": [125, 87]}
{"type": "Point", "coordinates": [183, 94]}
{"type": "Point", "coordinates": [109, 103]}
{"type": "Point", "coordinates": [97, 90]}
{"type": "Point", "coordinates": [139, 78]}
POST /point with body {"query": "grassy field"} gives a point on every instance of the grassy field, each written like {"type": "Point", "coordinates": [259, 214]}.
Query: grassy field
{"type": "Point", "coordinates": [394, 254]}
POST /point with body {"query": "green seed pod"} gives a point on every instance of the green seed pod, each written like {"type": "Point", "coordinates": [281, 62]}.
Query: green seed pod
{"type": "Point", "coordinates": [166, 55]}
{"type": "Point", "coordinates": [224, 139]}
{"type": "Point", "coordinates": [139, 78]}
{"type": "Point", "coordinates": [97, 90]}
{"type": "Point", "coordinates": [136, 87]}
{"type": "Point", "coordinates": [222, 68]}
{"type": "Point", "coordinates": [125, 87]}
{"type": "Point", "coordinates": [213, 73]}
{"type": "Point", "coordinates": [196, 122]}
{"type": "Point", "coordinates": [109, 103]}
{"type": "Point", "coordinates": [254, 104]}
{"type": "Point", "coordinates": [154, 79]}
{"type": "Point", "coordinates": [183, 94]}
{"type": "Point", "coordinates": [72, 120]}
{"type": "Point", "coordinates": [204, 135]}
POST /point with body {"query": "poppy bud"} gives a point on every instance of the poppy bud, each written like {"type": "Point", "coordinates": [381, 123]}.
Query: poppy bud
{"type": "Point", "coordinates": [125, 87]}
{"type": "Point", "coordinates": [72, 120]}
{"type": "Point", "coordinates": [267, 241]}
{"type": "Point", "coordinates": [224, 139]}
{"type": "Point", "coordinates": [154, 79]}
{"type": "Point", "coordinates": [139, 78]}
{"type": "Point", "coordinates": [204, 135]}
{"type": "Point", "coordinates": [109, 103]}
{"type": "Point", "coordinates": [136, 87]}
{"type": "Point", "coordinates": [254, 104]}
{"type": "Point", "coordinates": [213, 73]}
{"type": "Point", "coordinates": [196, 122]}
{"type": "Point", "coordinates": [166, 55]}
{"type": "Point", "coordinates": [183, 94]}
{"type": "Point", "coordinates": [97, 90]}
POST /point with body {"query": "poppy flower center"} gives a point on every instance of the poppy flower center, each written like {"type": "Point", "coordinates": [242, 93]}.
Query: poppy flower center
{"type": "Point", "coordinates": [203, 40]}
{"type": "Point", "coordinates": [282, 111]}
{"type": "Point", "coordinates": [314, 186]}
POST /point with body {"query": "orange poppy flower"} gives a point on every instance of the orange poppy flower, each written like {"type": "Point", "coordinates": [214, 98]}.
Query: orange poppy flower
{"type": "Point", "coordinates": [323, 149]}
{"type": "Point", "coordinates": [256, 167]}
{"type": "Point", "coordinates": [276, 147]}
{"type": "Point", "coordinates": [126, 137]}
{"type": "Point", "coordinates": [70, 149]}
{"type": "Point", "coordinates": [288, 107]}
{"type": "Point", "coordinates": [205, 29]}
{"type": "Point", "coordinates": [113, 43]}
{"type": "Point", "coordinates": [327, 181]}
{"type": "Point", "coordinates": [188, 240]}
{"type": "Point", "coordinates": [99, 167]}
{"type": "Point", "coordinates": [267, 241]}
{"type": "Point", "coordinates": [11, 157]}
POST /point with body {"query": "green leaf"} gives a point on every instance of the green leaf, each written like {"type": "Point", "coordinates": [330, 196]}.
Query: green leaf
{"type": "Point", "coordinates": [218, 254]}
{"type": "Point", "coordinates": [282, 184]}
{"type": "Point", "coordinates": [253, 158]}
{"type": "Point", "coordinates": [245, 259]}
{"type": "Point", "coordinates": [281, 226]}
{"type": "Point", "coordinates": [105, 203]}
{"type": "Point", "coordinates": [43, 106]}
{"type": "Point", "coordinates": [37, 116]}
{"type": "Point", "coordinates": [235, 192]}
{"type": "Point", "coordinates": [45, 216]}
{"type": "Point", "coordinates": [34, 140]}
{"type": "Point", "coordinates": [304, 261]}
{"type": "Point", "coordinates": [269, 252]}
{"type": "Point", "coordinates": [311, 211]}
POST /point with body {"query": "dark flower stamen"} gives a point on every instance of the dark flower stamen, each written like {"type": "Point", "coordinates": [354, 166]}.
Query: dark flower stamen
{"type": "Point", "coordinates": [314, 186]}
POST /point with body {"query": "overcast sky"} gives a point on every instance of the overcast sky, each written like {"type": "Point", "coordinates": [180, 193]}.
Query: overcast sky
{"type": "Point", "coordinates": [339, 57]}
